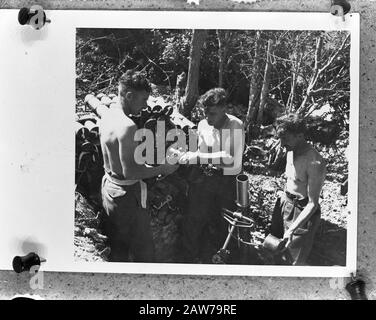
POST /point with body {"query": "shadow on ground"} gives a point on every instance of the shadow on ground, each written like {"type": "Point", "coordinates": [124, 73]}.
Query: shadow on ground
{"type": "Point", "coordinates": [329, 248]}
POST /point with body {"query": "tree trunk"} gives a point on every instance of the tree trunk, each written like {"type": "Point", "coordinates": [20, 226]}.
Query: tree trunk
{"type": "Point", "coordinates": [181, 83]}
{"type": "Point", "coordinates": [191, 91]}
{"type": "Point", "coordinates": [295, 69]}
{"type": "Point", "coordinates": [253, 85]}
{"type": "Point", "coordinates": [265, 84]}
{"type": "Point", "coordinates": [221, 59]}
{"type": "Point", "coordinates": [315, 75]}
{"type": "Point", "coordinates": [223, 39]}
{"type": "Point", "coordinates": [290, 101]}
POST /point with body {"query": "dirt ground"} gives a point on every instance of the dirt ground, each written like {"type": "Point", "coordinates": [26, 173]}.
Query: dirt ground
{"type": "Point", "coordinates": [329, 246]}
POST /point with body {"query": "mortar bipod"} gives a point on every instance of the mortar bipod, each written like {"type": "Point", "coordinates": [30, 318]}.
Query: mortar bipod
{"type": "Point", "coordinates": [236, 220]}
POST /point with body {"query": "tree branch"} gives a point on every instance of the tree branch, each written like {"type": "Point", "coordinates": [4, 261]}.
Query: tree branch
{"type": "Point", "coordinates": [335, 55]}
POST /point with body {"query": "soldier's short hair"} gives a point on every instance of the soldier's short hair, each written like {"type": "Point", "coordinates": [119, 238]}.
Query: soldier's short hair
{"type": "Point", "coordinates": [134, 80]}
{"type": "Point", "coordinates": [214, 97]}
{"type": "Point", "coordinates": [291, 123]}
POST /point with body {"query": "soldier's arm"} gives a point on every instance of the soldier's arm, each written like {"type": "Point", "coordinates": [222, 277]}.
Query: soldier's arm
{"type": "Point", "coordinates": [132, 168]}
{"type": "Point", "coordinates": [233, 147]}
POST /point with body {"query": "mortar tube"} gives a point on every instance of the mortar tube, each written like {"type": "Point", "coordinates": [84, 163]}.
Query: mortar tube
{"type": "Point", "coordinates": [242, 187]}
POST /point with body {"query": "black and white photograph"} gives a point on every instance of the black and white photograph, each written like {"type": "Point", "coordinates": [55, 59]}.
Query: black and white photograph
{"type": "Point", "coordinates": [214, 147]}
{"type": "Point", "coordinates": [215, 150]}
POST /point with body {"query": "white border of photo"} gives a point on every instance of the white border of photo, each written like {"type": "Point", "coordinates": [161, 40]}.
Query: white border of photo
{"type": "Point", "coordinates": [37, 131]}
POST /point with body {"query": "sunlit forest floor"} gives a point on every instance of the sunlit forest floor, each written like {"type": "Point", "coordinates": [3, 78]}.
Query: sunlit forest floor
{"type": "Point", "coordinates": [330, 241]}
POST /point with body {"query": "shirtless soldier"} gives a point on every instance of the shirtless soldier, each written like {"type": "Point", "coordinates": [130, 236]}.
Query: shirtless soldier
{"type": "Point", "coordinates": [296, 215]}
{"type": "Point", "coordinates": [123, 191]}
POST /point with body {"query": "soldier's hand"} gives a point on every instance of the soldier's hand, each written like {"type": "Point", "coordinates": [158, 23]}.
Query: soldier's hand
{"type": "Point", "coordinates": [287, 237]}
{"type": "Point", "coordinates": [189, 157]}
{"type": "Point", "coordinates": [173, 155]}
